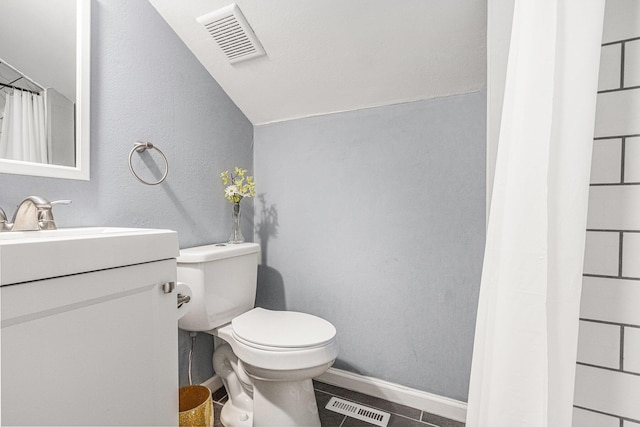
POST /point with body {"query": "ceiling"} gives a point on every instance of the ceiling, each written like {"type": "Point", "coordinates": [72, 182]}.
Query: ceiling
{"type": "Point", "coordinates": [328, 56]}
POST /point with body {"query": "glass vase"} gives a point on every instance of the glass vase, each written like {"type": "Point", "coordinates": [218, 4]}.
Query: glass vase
{"type": "Point", "coordinates": [236, 232]}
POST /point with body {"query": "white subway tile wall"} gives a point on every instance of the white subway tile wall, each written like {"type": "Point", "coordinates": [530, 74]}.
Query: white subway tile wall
{"type": "Point", "coordinates": [617, 113]}
{"type": "Point", "coordinates": [621, 20]}
{"type": "Point", "coordinates": [614, 207]}
{"type": "Point", "coordinates": [610, 300]}
{"type": "Point", "coordinates": [631, 359]}
{"type": "Point", "coordinates": [601, 256]}
{"type": "Point", "coordinates": [584, 418]}
{"type": "Point", "coordinates": [606, 167]}
{"type": "Point", "coordinates": [631, 254]}
{"type": "Point", "coordinates": [632, 160]}
{"type": "Point", "coordinates": [632, 63]}
{"type": "Point", "coordinates": [599, 344]}
{"type": "Point", "coordinates": [610, 63]}
{"type": "Point", "coordinates": [607, 391]}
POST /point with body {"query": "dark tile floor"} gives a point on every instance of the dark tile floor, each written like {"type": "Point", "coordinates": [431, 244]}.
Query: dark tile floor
{"type": "Point", "coordinates": [401, 416]}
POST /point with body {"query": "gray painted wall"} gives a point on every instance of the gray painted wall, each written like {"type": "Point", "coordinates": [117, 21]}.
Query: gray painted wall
{"type": "Point", "coordinates": [375, 220]}
{"type": "Point", "coordinates": [147, 85]}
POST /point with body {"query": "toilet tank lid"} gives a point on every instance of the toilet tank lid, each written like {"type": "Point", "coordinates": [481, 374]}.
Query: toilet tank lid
{"type": "Point", "coordinates": [216, 251]}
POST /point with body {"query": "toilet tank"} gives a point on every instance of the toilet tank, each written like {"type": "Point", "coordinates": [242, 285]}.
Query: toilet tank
{"type": "Point", "coordinates": [222, 278]}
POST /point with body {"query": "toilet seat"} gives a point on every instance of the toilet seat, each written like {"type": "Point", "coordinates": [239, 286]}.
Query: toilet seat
{"type": "Point", "coordinates": [282, 330]}
{"type": "Point", "coordinates": [273, 340]}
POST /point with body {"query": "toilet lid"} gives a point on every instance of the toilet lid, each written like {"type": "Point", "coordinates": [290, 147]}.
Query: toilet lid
{"type": "Point", "coordinates": [283, 329]}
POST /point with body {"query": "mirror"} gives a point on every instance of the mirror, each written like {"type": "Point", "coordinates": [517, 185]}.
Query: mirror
{"type": "Point", "coordinates": [33, 53]}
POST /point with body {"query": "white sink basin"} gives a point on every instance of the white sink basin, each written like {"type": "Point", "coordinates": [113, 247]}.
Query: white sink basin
{"type": "Point", "coordinates": [62, 233]}
{"type": "Point", "coordinates": [34, 255]}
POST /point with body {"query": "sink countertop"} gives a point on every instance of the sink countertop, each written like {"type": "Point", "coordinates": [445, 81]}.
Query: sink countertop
{"type": "Point", "coordinates": [35, 255]}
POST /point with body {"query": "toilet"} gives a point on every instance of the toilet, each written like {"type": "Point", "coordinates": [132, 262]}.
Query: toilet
{"type": "Point", "coordinates": [267, 358]}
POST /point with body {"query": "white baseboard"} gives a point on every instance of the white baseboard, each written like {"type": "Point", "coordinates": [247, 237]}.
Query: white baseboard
{"type": "Point", "coordinates": [213, 383]}
{"type": "Point", "coordinates": [432, 403]}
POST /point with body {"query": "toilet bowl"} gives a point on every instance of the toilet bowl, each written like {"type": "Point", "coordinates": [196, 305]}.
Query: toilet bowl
{"type": "Point", "coordinates": [268, 358]}
{"type": "Point", "coordinates": [280, 352]}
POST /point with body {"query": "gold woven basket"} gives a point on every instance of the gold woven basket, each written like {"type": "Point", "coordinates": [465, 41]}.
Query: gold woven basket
{"type": "Point", "coordinates": [195, 406]}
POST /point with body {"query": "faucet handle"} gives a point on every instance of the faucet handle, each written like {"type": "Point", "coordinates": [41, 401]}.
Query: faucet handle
{"type": "Point", "coordinates": [45, 214]}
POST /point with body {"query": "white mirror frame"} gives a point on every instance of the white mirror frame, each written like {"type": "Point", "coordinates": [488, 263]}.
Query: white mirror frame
{"type": "Point", "coordinates": [83, 85]}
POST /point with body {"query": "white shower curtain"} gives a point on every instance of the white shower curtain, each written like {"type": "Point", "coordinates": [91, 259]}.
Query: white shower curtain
{"type": "Point", "coordinates": [524, 355]}
{"type": "Point", "coordinates": [24, 133]}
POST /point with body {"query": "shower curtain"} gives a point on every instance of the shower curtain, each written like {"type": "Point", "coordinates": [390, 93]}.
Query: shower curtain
{"type": "Point", "coordinates": [24, 134]}
{"type": "Point", "coordinates": [524, 356]}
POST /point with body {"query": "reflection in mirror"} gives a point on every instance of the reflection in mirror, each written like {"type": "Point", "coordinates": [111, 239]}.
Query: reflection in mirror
{"type": "Point", "coordinates": [44, 87]}
{"type": "Point", "coordinates": [36, 123]}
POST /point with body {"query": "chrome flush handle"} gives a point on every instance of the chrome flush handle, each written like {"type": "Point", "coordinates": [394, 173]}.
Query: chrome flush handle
{"type": "Point", "coordinates": [168, 287]}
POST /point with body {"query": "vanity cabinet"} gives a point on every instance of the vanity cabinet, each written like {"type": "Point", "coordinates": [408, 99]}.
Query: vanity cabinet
{"type": "Point", "coordinates": [94, 348]}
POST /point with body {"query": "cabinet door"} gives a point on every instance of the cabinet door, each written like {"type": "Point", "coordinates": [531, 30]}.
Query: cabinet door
{"type": "Point", "coordinates": [97, 348]}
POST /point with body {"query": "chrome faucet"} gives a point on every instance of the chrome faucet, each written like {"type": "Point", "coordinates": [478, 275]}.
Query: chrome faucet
{"type": "Point", "coordinates": [33, 213]}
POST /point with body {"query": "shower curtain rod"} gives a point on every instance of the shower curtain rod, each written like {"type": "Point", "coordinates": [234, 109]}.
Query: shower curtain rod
{"type": "Point", "coordinates": [3, 85]}
{"type": "Point", "coordinates": [22, 76]}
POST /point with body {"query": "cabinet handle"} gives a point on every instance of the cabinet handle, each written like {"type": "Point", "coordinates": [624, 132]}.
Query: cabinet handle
{"type": "Point", "coordinates": [168, 287]}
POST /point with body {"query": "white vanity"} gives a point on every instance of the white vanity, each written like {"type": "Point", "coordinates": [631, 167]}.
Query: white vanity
{"type": "Point", "coordinates": [89, 327]}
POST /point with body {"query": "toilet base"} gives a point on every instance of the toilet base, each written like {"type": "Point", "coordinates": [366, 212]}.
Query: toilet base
{"type": "Point", "coordinates": [231, 416]}
{"type": "Point", "coordinates": [276, 404]}
{"type": "Point", "coordinates": [284, 403]}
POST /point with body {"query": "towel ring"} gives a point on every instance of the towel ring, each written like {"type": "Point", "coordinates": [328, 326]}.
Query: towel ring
{"type": "Point", "coordinates": [141, 147]}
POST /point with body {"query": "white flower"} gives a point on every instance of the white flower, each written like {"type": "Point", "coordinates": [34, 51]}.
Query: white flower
{"type": "Point", "coordinates": [231, 191]}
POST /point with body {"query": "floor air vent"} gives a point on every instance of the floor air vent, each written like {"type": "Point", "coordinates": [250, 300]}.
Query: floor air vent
{"type": "Point", "coordinates": [232, 32]}
{"type": "Point", "coordinates": [362, 413]}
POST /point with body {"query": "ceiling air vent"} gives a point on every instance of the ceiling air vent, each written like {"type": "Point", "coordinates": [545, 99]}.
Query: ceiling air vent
{"type": "Point", "coordinates": [232, 32]}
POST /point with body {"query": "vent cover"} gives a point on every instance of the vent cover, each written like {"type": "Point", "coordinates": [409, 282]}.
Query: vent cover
{"type": "Point", "coordinates": [232, 32]}
{"type": "Point", "coordinates": [355, 410]}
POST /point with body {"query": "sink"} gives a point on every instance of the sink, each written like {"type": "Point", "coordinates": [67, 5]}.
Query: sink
{"type": "Point", "coordinates": [62, 233]}
{"type": "Point", "coordinates": [33, 255]}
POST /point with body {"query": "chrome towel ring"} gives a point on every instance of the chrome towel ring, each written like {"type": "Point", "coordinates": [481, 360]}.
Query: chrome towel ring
{"type": "Point", "coordinates": [141, 147]}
